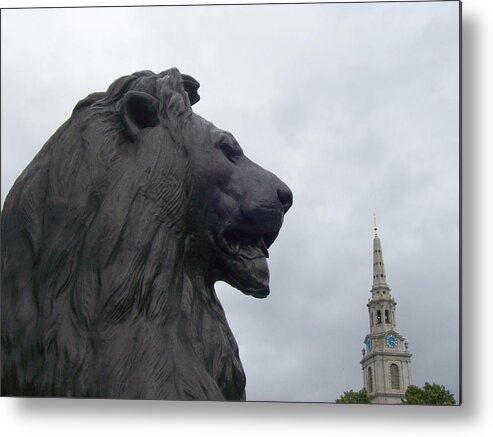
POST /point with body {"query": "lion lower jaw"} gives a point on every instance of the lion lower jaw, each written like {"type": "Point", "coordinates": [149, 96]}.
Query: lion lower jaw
{"type": "Point", "coordinates": [258, 293]}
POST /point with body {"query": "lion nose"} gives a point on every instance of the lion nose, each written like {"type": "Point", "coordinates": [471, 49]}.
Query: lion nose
{"type": "Point", "coordinates": [285, 196]}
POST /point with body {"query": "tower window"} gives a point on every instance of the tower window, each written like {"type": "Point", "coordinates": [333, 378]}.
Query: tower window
{"type": "Point", "coordinates": [371, 319]}
{"type": "Point", "coordinates": [394, 376]}
{"type": "Point", "coordinates": [370, 380]}
{"type": "Point", "coordinates": [379, 316]}
{"type": "Point", "coordinates": [387, 319]}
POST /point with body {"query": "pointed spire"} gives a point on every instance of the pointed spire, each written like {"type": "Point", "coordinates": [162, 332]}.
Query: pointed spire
{"type": "Point", "coordinates": [379, 277]}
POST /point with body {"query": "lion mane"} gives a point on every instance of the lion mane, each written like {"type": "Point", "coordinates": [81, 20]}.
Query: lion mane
{"type": "Point", "coordinates": [98, 299]}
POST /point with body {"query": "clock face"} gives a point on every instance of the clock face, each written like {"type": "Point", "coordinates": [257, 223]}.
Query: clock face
{"type": "Point", "coordinates": [391, 341]}
{"type": "Point", "coordinates": [369, 344]}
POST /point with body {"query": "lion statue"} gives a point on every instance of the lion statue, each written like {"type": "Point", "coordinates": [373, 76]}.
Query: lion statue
{"type": "Point", "coordinates": [112, 240]}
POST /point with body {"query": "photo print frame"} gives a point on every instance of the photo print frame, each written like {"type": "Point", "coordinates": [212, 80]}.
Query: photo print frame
{"type": "Point", "coordinates": [138, 222]}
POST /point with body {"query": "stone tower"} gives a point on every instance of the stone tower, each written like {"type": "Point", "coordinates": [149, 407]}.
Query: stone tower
{"type": "Point", "coordinates": [386, 360]}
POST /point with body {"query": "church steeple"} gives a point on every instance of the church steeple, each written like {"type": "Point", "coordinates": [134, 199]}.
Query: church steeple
{"type": "Point", "coordinates": [379, 277]}
{"type": "Point", "coordinates": [386, 361]}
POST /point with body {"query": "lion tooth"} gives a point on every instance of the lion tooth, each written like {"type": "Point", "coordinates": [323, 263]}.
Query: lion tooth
{"type": "Point", "coordinates": [236, 247]}
{"type": "Point", "coordinates": [263, 247]}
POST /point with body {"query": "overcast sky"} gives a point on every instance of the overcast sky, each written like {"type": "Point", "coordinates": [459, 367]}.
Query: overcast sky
{"type": "Point", "coordinates": [354, 106]}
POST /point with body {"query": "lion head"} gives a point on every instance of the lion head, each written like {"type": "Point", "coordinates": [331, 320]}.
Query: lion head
{"type": "Point", "coordinates": [113, 238]}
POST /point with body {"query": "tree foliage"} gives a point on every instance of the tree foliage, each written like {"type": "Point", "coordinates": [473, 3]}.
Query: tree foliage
{"type": "Point", "coordinates": [430, 394]}
{"type": "Point", "coordinates": [354, 397]}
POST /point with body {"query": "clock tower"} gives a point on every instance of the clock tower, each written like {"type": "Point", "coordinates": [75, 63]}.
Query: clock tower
{"type": "Point", "coordinates": [386, 360]}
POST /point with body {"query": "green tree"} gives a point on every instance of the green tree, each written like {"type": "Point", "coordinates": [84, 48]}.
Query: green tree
{"type": "Point", "coordinates": [430, 394]}
{"type": "Point", "coordinates": [354, 397]}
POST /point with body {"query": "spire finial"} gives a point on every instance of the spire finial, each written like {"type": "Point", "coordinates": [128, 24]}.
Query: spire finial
{"type": "Point", "coordinates": [375, 228]}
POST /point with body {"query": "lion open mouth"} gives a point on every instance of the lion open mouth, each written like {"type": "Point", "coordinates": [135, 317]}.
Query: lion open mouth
{"type": "Point", "coordinates": [248, 245]}
{"type": "Point", "coordinates": [245, 261]}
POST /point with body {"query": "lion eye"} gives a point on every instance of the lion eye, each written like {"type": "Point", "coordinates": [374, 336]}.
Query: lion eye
{"type": "Point", "coordinates": [231, 151]}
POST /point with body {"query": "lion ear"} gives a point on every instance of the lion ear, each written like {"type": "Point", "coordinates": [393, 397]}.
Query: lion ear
{"type": "Point", "coordinates": [138, 111]}
{"type": "Point", "coordinates": [191, 86]}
